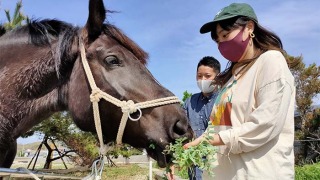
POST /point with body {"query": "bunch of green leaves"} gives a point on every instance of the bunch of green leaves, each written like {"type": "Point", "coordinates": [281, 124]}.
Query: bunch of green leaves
{"type": "Point", "coordinates": [201, 155]}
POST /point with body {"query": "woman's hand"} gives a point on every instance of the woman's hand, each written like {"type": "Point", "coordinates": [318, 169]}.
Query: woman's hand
{"type": "Point", "coordinates": [186, 146]}
{"type": "Point", "coordinates": [193, 143]}
{"type": "Point", "coordinates": [170, 174]}
{"type": "Point", "coordinates": [215, 141]}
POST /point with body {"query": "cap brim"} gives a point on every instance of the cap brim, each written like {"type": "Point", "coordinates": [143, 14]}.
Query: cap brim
{"type": "Point", "coordinates": [207, 27]}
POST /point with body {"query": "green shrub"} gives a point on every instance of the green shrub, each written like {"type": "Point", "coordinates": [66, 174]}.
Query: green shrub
{"type": "Point", "coordinates": [307, 172]}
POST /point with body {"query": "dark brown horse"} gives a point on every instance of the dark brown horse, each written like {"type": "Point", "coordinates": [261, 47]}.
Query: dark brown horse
{"type": "Point", "coordinates": [41, 73]}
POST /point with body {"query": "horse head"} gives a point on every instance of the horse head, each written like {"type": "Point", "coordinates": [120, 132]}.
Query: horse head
{"type": "Point", "coordinates": [118, 67]}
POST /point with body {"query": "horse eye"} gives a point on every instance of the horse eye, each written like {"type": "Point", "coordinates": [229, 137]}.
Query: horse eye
{"type": "Point", "coordinates": [112, 60]}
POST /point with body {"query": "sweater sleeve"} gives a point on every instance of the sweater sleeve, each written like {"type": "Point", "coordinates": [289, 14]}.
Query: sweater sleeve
{"type": "Point", "coordinates": [267, 119]}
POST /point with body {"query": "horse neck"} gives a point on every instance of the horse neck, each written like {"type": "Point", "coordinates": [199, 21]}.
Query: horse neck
{"type": "Point", "coordinates": [39, 87]}
{"type": "Point", "coordinates": [30, 88]}
{"type": "Point", "coordinates": [53, 101]}
{"type": "Point", "coordinates": [35, 110]}
{"type": "Point", "coordinates": [54, 92]}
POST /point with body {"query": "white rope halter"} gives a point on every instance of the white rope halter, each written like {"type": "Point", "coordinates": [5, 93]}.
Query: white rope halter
{"type": "Point", "coordinates": [127, 107]}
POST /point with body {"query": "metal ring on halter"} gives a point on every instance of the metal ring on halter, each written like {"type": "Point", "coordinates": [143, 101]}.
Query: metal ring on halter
{"type": "Point", "coordinates": [140, 114]}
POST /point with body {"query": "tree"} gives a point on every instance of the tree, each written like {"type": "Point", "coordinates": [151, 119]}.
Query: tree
{"type": "Point", "coordinates": [186, 95]}
{"type": "Point", "coordinates": [307, 87]}
{"type": "Point", "coordinates": [60, 127]}
{"type": "Point", "coordinates": [17, 19]}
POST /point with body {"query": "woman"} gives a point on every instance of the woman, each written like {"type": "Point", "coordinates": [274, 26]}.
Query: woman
{"type": "Point", "coordinates": [253, 116]}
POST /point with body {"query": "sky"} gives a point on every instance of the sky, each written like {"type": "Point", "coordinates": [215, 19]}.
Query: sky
{"type": "Point", "coordinates": [169, 30]}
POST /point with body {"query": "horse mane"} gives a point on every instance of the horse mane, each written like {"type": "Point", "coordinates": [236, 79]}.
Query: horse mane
{"type": "Point", "coordinates": [59, 37]}
{"type": "Point", "coordinates": [2, 30]}
{"type": "Point", "coordinates": [44, 31]}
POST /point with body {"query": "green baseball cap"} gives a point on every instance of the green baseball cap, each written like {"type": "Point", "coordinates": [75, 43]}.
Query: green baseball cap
{"type": "Point", "coordinates": [233, 10]}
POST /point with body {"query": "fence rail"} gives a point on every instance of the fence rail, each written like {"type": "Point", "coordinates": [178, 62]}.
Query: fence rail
{"type": "Point", "coordinates": [7, 173]}
{"type": "Point", "coordinates": [307, 140]}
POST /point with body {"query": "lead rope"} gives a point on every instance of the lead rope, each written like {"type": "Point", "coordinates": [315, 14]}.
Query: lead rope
{"type": "Point", "coordinates": [127, 107]}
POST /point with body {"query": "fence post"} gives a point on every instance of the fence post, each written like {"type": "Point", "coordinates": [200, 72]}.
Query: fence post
{"type": "Point", "coordinates": [150, 168]}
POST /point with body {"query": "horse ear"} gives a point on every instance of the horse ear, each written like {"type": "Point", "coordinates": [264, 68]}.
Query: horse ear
{"type": "Point", "coordinates": [94, 25]}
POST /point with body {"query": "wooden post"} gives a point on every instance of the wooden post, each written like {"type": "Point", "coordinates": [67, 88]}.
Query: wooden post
{"type": "Point", "coordinates": [150, 168]}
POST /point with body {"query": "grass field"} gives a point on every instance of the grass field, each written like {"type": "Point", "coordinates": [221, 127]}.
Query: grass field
{"type": "Point", "coordinates": [121, 172]}
{"type": "Point", "coordinates": [135, 172]}
{"type": "Point", "coordinates": [138, 172]}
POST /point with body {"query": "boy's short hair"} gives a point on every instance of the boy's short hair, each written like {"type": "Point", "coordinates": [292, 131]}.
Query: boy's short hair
{"type": "Point", "coordinates": [211, 62]}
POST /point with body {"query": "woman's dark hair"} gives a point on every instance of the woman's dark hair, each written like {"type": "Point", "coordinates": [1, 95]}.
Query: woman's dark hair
{"type": "Point", "coordinates": [264, 40]}
{"type": "Point", "coordinates": [210, 62]}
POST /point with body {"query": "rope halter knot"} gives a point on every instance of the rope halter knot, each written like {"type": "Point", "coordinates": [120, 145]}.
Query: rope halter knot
{"type": "Point", "coordinates": [95, 95]}
{"type": "Point", "coordinates": [130, 107]}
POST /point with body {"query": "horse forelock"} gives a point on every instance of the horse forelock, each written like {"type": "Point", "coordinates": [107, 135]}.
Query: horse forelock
{"type": "Point", "coordinates": [125, 41]}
